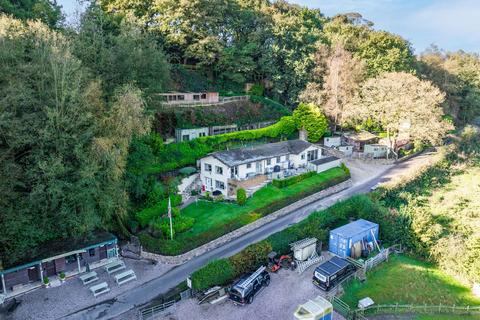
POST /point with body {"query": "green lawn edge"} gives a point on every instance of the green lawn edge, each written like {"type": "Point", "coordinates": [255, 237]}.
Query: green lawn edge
{"type": "Point", "coordinates": [214, 219]}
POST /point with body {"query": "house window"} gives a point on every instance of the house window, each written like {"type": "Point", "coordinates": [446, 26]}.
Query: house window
{"type": "Point", "coordinates": [181, 97]}
{"type": "Point", "coordinates": [186, 137]}
{"type": "Point", "coordinates": [278, 159]}
{"type": "Point", "coordinates": [269, 162]}
{"type": "Point", "coordinates": [219, 185]}
{"type": "Point", "coordinates": [204, 96]}
{"type": "Point", "coordinates": [218, 170]}
{"type": "Point", "coordinates": [249, 165]}
{"type": "Point", "coordinates": [201, 134]}
{"type": "Point", "coordinates": [312, 155]}
{"type": "Point", "coordinates": [233, 172]}
{"type": "Point", "coordinates": [287, 157]}
{"type": "Point", "coordinates": [196, 97]}
{"type": "Point", "coordinates": [208, 167]}
{"type": "Point", "coordinates": [302, 156]}
{"type": "Point", "coordinates": [91, 252]}
{"type": "Point", "coordinates": [71, 259]}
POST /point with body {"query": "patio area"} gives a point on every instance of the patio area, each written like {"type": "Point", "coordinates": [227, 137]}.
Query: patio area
{"type": "Point", "coordinates": [65, 298]}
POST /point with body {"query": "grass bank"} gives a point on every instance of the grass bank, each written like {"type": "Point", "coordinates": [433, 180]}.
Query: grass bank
{"type": "Point", "coordinates": [405, 280]}
{"type": "Point", "coordinates": [214, 219]}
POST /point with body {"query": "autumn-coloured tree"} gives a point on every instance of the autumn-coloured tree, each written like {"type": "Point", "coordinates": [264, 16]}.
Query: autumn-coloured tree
{"type": "Point", "coordinates": [401, 101]}
{"type": "Point", "coordinates": [343, 75]}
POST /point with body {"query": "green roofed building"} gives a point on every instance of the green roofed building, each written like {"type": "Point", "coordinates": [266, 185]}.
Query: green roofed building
{"type": "Point", "coordinates": [69, 256]}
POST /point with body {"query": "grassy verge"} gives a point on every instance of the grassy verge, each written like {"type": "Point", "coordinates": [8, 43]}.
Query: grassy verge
{"type": "Point", "coordinates": [405, 280]}
{"type": "Point", "coordinates": [213, 220]}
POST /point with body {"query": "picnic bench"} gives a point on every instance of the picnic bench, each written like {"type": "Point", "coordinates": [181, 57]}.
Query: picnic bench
{"type": "Point", "coordinates": [125, 277]}
{"type": "Point", "coordinates": [115, 266]}
{"type": "Point", "coordinates": [89, 277]}
{"type": "Point", "coordinates": [99, 289]}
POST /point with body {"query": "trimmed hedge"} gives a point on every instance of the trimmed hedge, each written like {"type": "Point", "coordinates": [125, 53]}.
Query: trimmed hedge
{"type": "Point", "coordinates": [292, 180]}
{"type": "Point", "coordinates": [177, 155]}
{"type": "Point", "coordinates": [146, 215]}
{"type": "Point", "coordinates": [277, 205]}
{"type": "Point", "coordinates": [217, 272]}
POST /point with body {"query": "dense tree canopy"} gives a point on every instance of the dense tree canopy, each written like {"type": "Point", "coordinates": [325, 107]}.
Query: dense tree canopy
{"type": "Point", "coordinates": [401, 101]}
{"type": "Point", "coordinates": [49, 12]}
{"type": "Point", "coordinates": [458, 75]}
{"type": "Point", "coordinates": [63, 149]}
{"type": "Point", "coordinates": [308, 117]}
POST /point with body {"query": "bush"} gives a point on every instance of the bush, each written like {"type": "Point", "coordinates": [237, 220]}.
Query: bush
{"type": "Point", "coordinates": [251, 257]}
{"type": "Point", "coordinates": [241, 196]}
{"type": "Point", "coordinates": [182, 223]}
{"type": "Point", "coordinates": [146, 215]}
{"type": "Point", "coordinates": [217, 272]}
{"type": "Point", "coordinates": [256, 90]}
{"type": "Point", "coordinates": [292, 180]}
{"type": "Point", "coordinates": [345, 168]}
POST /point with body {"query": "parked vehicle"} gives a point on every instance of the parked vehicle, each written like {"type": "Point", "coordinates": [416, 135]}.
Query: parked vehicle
{"type": "Point", "coordinates": [327, 275]}
{"type": "Point", "coordinates": [243, 291]}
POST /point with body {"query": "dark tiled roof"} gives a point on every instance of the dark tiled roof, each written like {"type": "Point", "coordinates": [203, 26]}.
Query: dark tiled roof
{"type": "Point", "coordinates": [245, 155]}
{"type": "Point", "coordinates": [56, 247]}
{"type": "Point", "coordinates": [324, 160]}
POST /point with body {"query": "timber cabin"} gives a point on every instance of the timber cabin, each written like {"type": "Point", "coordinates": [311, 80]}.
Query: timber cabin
{"type": "Point", "coordinates": [54, 257]}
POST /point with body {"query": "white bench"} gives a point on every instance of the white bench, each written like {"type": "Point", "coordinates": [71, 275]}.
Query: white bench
{"type": "Point", "coordinates": [99, 289]}
{"type": "Point", "coordinates": [125, 277]}
{"type": "Point", "coordinates": [89, 277]}
{"type": "Point", "coordinates": [115, 266]}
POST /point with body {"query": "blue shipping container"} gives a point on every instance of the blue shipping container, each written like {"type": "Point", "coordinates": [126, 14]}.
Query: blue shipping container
{"type": "Point", "coordinates": [343, 238]}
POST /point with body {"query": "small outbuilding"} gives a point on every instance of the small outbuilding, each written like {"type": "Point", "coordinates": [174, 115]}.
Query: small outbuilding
{"type": "Point", "coordinates": [351, 239]}
{"type": "Point", "coordinates": [323, 164]}
{"type": "Point", "coordinates": [315, 309]}
{"type": "Point", "coordinates": [359, 139]}
{"type": "Point", "coordinates": [376, 150]}
{"type": "Point", "coordinates": [333, 141]}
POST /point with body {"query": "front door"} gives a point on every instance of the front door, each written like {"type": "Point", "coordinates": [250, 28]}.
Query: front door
{"type": "Point", "coordinates": [259, 168]}
{"type": "Point", "coordinates": [33, 274]}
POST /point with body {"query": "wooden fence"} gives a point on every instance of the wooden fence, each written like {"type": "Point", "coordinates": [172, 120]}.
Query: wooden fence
{"type": "Point", "coordinates": [424, 309]}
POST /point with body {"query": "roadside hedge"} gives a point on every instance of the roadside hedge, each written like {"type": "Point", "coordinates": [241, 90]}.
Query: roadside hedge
{"type": "Point", "coordinates": [282, 183]}
{"type": "Point", "coordinates": [318, 225]}
{"type": "Point", "coordinates": [146, 215]}
{"type": "Point", "coordinates": [217, 272]}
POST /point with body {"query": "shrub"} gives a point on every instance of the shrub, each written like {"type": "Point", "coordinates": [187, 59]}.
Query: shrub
{"type": "Point", "coordinates": [256, 90]}
{"type": "Point", "coordinates": [146, 215]}
{"type": "Point", "coordinates": [241, 196]}
{"type": "Point", "coordinates": [61, 275]}
{"type": "Point", "coordinates": [46, 280]}
{"type": "Point", "coordinates": [183, 223]}
{"type": "Point", "coordinates": [292, 180]}
{"type": "Point", "coordinates": [251, 257]}
{"type": "Point", "coordinates": [345, 168]}
{"type": "Point", "coordinates": [217, 272]}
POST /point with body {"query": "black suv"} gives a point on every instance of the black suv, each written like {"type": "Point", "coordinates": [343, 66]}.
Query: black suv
{"type": "Point", "coordinates": [243, 290]}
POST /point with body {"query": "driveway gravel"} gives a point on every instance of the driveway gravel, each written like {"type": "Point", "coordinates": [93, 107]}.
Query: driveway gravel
{"type": "Point", "coordinates": [54, 303]}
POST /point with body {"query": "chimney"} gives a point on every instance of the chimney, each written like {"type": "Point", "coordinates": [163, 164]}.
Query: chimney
{"type": "Point", "coordinates": [303, 134]}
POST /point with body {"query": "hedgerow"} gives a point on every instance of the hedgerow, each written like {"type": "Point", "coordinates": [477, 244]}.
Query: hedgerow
{"type": "Point", "coordinates": [282, 183]}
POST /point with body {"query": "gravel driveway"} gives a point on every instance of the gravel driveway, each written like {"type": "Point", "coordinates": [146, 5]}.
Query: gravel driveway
{"type": "Point", "coordinates": [54, 303]}
{"type": "Point", "coordinates": [278, 301]}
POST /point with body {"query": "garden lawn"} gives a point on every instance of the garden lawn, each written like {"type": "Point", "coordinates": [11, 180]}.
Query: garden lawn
{"type": "Point", "coordinates": [213, 215]}
{"type": "Point", "coordinates": [405, 280]}
{"type": "Point", "coordinates": [214, 219]}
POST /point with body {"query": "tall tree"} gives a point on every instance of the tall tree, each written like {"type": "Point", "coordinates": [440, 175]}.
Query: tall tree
{"type": "Point", "coordinates": [49, 12]}
{"type": "Point", "coordinates": [308, 117]}
{"type": "Point", "coordinates": [117, 51]}
{"type": "Point", "coordinates": [343, 74]}
{"type": "Point", "coordinates": [458, 75]}
{"type": "Point", "coordinates": [62, 147]}
{"type": "Point", "coordinates": [401, 102]}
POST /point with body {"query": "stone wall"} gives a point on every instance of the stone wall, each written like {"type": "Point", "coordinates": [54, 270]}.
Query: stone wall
{"type": "Point", "coordinates": [248, 228]}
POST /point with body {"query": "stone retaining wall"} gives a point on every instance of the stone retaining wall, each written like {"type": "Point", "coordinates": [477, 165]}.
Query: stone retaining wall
{"type": "Point", "coordinates": [246, 229]}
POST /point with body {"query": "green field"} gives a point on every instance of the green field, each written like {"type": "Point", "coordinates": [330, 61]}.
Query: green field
{"type": "Point", "coordinates": [405, 280]}
{"type": "Point", "coordinates": [214, 219]}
